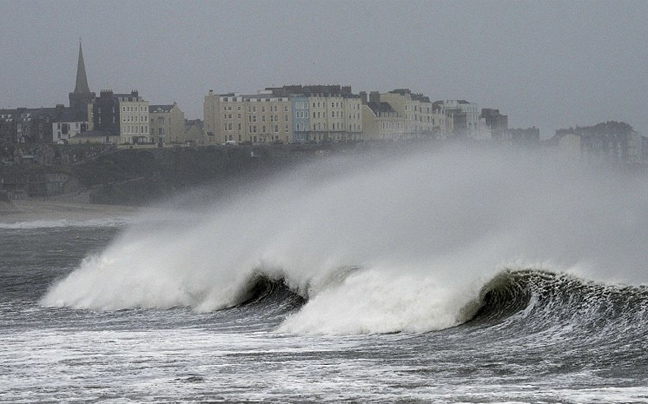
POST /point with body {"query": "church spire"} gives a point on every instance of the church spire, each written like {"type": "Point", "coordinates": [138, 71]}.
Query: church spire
{"type": "Point", "coordinates": [81, 78]}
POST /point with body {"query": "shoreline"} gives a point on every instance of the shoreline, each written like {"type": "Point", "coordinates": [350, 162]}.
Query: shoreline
{"type": "Point", "coordinates": [25, 210]}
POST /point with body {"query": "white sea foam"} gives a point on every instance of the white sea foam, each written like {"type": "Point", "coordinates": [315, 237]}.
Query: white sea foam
{"type": "Point", "coordinates": [428, 229]}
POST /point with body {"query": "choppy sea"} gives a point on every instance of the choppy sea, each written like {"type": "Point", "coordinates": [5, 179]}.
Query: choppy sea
{"type": "Point", "coordinates": [421, 280]}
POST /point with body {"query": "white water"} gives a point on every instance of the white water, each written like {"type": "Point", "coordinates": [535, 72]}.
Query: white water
{"type": "Point", "coordinates": [427, 230]}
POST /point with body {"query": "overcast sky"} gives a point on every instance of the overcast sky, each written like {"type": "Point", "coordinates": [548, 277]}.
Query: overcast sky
{"type": "Point", "coordinates": [549, 64]}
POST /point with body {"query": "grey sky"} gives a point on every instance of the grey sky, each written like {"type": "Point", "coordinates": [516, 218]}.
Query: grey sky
{"type": "Point", "coordinates": [549, 64]}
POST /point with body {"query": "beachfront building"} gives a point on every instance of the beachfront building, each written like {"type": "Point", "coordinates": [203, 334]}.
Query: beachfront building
{"type": "Point", "coordinates": [327, 113]}
{"type": "Point", "coordinates": [416, 109]}
{"type": "Point", "coordinates": [496, 123]}
{"type": "Point", "coordinates": [301, 118]}
{"type": "Point", "coordinates": [285, 114]}
{"type": "Point", "coordinates": [380, 120]}
{"type": "Point", "coordinates": [442, 120]}
{"type": "Point", "coordinates": [466, 119]}
{"type": "Point", "coordinates": [606, 141]}
{"type": "Point", "coordinates": [260, 118]}
{"type": "Point", "coordinates": [167, 124]}
{"type": "Point", "coordinates": [125, 115]}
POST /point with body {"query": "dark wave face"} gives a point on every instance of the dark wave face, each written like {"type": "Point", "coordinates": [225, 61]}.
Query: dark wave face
{"type": "Point", "coordinates": [266, 292]}
{"type": "Point", "coordinates": [553, 305]}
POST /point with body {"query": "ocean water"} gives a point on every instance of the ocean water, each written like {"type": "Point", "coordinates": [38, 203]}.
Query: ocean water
{"type": "Point", "coordinates": [449, 276]}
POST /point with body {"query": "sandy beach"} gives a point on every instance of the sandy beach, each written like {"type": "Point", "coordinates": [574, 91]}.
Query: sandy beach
{"type": "Point", "coordinates": [52, 209]}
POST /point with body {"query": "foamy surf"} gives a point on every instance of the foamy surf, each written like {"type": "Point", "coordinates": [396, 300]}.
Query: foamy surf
{"type": "Point", "coordinates": [427, 230]}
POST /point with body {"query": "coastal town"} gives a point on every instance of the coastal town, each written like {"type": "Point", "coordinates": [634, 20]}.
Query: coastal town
{"type": "Point", "coordinates": [286, 116]}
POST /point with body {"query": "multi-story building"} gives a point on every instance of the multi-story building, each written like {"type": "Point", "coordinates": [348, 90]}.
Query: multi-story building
{"type": "Point", "coordinates": [334, 113]}
{"type": "Point", "coordinates": [467, 122]}
{"type": "Point", "coordinates": [126, 115]}
{"type": "Point", "coordinates": [28, 125]}
{"type": "Point", "coordinates": [416, 109]}
{"type": "Point", "coordinates": [301, 115]}
{"type": "Point", "coordinates": [442, 120]}
{"type": "Point", "coordinates": [259, 118]}
{"type": "Point", "coordinates": [607, 141]}
{"type": "Point", "coordinates": [495, 122]}
{"type": "Point", "coordinates": [167, 124]}
{"type": "Point", "coordinates": [379, 119]}
{"type": "Point", "coordinates": [285, 114]}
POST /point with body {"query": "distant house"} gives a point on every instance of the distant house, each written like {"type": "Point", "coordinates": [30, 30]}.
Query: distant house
{"type": "Point", "coordinates": [167, 124]}
{"type": "Point", "coordinates": [379, 120]}
{"type": "Point", "coordinates": [467, 119]}
{"type": "Point", "coordinates": [415, 109]}
{"type": "Point", "coordinates": [68, 124]}
{"type": "Point", "coordinates": [96, 137]}
{"type": "Point", "coordinates": [611, 141]}
{"type": "Point", "coordinates": [126, 115]}
{"type": "Point", "coordinates": [28, 125]}
{"type": "Point", "coordinates": [194, 133]}
{"type": "Point", "coordinates": [495, 122]}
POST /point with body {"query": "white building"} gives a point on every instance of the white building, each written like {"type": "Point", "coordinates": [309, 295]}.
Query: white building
{"type": "Point", "coordinates": [134, 119]}
{"type": "Point", "coordinates": [466, 119]}
{"type": "Point", "coordinates": [68, 124]}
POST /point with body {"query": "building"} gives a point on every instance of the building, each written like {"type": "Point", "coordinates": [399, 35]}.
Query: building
{"type": "Point", "coordinates": [495, 122]}
{"type": "Point", "coordinates": [67, 124]}
{"type": "Point", "coordinates": [96, 137]}
{"type": "Point", "coordinates": [416, 109]}
{"type": "Point", "coordinates": [325, 112]}
{"type": "Point", "coordinates": [608, 141]}
{"type": "Point", "coordinates": [442, 121]}
{"type": "Point", "coordinates": [301, 118]}
{"type": "Point", "coordinates": [380, 121]}
{"type": "Point", "coordinates": [81, 97]}
{"type": "Point", "coordinates": [529, 137]}
{"type": "Point", "coordinates": [27, 125]}
{"type": "Point", "coordinates": [167, 124]}
{"type": "Point", "coordinates": [285, 114]}
{"type": "Point", "coordinates": [125, 115]}
{"type": "Point", "coordinates": [194, 133]}
{"type": "Point", "coordinates": [259, 118]}
{"type": "Point", "coordinates": [466, 119]}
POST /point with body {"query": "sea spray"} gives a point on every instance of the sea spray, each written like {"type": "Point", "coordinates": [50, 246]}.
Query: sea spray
{"type": "Point", "coordinates": [436, 223]}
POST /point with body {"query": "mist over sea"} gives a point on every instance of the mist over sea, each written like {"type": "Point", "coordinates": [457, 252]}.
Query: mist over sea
{"type": "Point", "coordinates": [457, 274]}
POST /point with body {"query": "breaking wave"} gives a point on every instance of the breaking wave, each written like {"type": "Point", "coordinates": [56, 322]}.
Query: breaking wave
{"type": "Point", "coordinates": [538, 300]}
{"type": "Point", "coordinates": [382, 243]}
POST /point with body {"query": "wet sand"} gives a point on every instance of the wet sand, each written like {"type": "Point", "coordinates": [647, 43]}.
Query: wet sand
{"type": "Point", "coordinates": [52, 209]}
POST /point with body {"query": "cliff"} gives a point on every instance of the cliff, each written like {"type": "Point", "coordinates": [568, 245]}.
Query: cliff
{"type": "Point", "coordinates": [140, 176]}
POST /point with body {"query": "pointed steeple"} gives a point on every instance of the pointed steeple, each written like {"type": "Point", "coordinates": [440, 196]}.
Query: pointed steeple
{"type": "Point", "coordinates": [82, 96]}
{"type": "Point", "coordinates": [81, 78]}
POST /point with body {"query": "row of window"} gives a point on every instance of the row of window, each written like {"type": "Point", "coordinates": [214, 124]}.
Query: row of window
{"type": "Point", "coordinates": [129, 108]}
{"type": "Point", "coordinates": [133, 118]}
{"type": "Point", "coordinates": [135, 129]}
{"type": "Point", "coordinates": [336, 104]}
{"type": "Point", "coordinates": [273, 108]}
{"type": "Point", "coordinates": [253, 128]}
